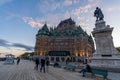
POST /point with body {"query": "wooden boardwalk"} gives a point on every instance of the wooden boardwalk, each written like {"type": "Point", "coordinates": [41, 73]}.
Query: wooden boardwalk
{"type": "Point", "coordinates": [25, 71]}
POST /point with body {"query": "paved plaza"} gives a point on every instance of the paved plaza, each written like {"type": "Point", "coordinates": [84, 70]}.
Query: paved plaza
{"type": "Point", "coordinates": [25, 71]}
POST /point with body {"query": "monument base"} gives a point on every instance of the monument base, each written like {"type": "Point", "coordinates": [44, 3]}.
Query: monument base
{"type": "Point", "coordinates": [106, 55]}
{"type": "Point", "coordinates": [106, 62]}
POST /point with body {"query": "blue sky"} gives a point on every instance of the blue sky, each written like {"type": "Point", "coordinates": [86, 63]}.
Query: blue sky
{"type": "Point", "coordinates": [21, 19]}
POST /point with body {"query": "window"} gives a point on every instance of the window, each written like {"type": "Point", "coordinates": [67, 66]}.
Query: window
{"type": "Point", "coordinates": [63, 59]}
{"type": "Point", "coordinates": [52, 58]}
{"type": "Point", "coordinates": [57, 59]}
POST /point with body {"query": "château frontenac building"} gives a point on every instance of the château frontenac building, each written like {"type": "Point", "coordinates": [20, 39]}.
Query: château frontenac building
{"type": "Point", "coordinates": [65, 40]}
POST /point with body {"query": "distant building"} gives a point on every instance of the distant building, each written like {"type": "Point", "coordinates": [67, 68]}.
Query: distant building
{"type": "Point", "coordinates": [67, 39]}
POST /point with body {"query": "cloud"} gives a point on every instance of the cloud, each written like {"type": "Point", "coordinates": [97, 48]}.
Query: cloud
{"type": "Point", "coordinates": [67, 2]}
{"type": "Point", "coordinates": [49, 6]}
{"type": "Point", "coordinates": [26, 47]}
{"type": "Point", "coordinates": [32, 22]}
{"type": "Point", "coordinates": [84, 24]}
{"type": "Point", "coordinates": [9, 45]}
{"type": "Point", "coordinates": [82, 10]}
{"type": "Point", "coordinates": [36, 22]}
{"type": "Point", "coordinates": [113, 8]}
{"type": "Point", "coordinates": [4, 43]}
{"type": "Point", "coordinates": [79, 13]}
{"type": "Point", "coordinates": [54, 19]}
{"type": "Point", "coordinates": [95, 2]}
{"type": "Point", "coordinates": [70, 2]}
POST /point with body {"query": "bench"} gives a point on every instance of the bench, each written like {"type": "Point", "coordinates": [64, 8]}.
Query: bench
{"type": "Point", "coordinates": [104, 73]}
{"type": "Point", "coordinates": [70, 67]}
{"type": "Point", "coordinates": [56, 65]}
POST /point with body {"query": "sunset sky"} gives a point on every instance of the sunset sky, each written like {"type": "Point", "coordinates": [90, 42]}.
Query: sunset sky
{"type": "Point", "coordinates": [21, 19]}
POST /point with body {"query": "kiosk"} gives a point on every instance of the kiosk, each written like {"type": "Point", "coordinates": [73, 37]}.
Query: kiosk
{"type": "Point", "coordinates": [9, 59]}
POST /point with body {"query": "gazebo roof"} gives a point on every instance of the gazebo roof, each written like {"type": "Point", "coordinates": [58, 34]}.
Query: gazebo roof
{"type": "Point", "coordinates": [9, 55]}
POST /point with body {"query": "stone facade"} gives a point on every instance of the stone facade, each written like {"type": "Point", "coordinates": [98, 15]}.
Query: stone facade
{"type": "Point", "coordinates": [65, 37]}
{"type": "Point", "coordinates": [105, 55]}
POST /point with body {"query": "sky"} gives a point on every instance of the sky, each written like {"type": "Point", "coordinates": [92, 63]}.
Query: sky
{"type": "Point", "coordinates": [21, 19]}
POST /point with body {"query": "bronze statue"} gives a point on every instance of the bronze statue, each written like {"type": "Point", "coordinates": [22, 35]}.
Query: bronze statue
{"type": "Point", "coordinates": [98, 14]}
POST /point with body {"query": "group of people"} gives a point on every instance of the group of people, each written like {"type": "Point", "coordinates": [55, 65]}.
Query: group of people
{"type": "Point", "coordinates": [43, 62]}
{"type": "Point", "coordinates": [17, 61]}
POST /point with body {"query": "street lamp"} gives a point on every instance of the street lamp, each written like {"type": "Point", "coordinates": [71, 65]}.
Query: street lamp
{"type": "Point", "coordinates": [84, 56]}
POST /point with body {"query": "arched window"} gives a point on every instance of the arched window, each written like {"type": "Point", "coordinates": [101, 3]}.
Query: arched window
{"type": "Point", "coordinates": [57, 59]}
{"type": "Point", "coordinates": [63, 59]}
{"type": "Point", "coordinates": [52, 58]}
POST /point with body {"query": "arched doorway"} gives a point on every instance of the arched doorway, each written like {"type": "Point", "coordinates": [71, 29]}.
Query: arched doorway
{"type": "Point", "coordinates": [63, 59]}
{"type": "Point", "coordinates": [52, 58]}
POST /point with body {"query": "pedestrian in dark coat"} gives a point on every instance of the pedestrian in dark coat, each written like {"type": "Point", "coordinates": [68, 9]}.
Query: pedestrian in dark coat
{"type": "Point", "coordinates": [37, 63]}
{"type": "Point", "coordinates": [42, 65]}
{"type": "Point", "coordinates": [18, 60]}
{"type": "Point", "coordinates": [47, 64]}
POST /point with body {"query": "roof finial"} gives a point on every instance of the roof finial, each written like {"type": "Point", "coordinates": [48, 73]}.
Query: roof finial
{"type": "Point", "coordinates": [45, 19]}
{"type": "Point", "coordinates": [69, 14]}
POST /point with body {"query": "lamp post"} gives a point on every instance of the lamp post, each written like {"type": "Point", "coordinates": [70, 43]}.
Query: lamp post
{"type": "Point", "coordinates": [84, 53]}
{"type": "Point", "coordinates": [84, 56]}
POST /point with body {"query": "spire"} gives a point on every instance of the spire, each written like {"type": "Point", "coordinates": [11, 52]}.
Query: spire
{"type": "Point", "coordinates": [44, 30]}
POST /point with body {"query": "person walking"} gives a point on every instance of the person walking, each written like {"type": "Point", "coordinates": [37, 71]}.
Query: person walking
{"type": "Point", "coordinates": [37, 63]}
{"type": "Point", "coordinates": [18, 60]}
{"type": "Point", "coordinates": [47, 64]}
{"type": "Point", "coordinates": [42, 65]}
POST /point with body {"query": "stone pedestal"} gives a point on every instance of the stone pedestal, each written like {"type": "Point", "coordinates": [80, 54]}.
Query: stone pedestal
{"type": "Point", "coordinates": [105, 55]}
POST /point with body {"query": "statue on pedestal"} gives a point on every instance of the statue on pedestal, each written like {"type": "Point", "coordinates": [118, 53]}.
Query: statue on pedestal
{"type": "Point", "coordinates": [105, 56]}
{"type": "Point", "coordinates": [98, 14]}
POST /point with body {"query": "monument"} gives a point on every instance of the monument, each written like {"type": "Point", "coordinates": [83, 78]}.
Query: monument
{"type": "Point", "coordinates": [105, 55]}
